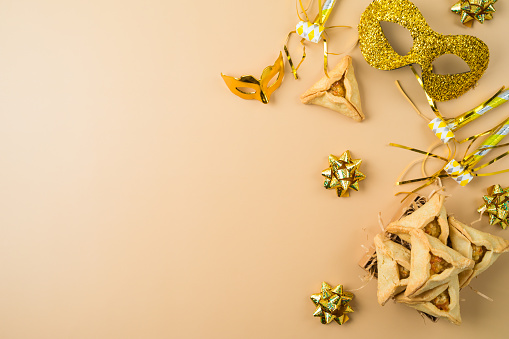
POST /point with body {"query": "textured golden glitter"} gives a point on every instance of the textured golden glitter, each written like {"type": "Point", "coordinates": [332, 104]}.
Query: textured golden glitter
{"type": "Point", "coordinates": [428, 45]}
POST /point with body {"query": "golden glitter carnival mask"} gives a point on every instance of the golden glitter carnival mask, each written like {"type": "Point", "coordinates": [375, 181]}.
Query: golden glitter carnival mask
{"type": "Point", "coordinates": [428, 46]}
{"type": "Point", "coordinates": [247, 87]}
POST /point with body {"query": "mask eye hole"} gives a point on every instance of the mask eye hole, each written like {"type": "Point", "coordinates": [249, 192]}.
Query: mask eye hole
{"type": "Point", "coordinates": [398, 36]}
{"type": "Point", "coordinates": [246, 90]}
{"type": "Point", "coordinates": [273, 80]}
{"type": "Point", "coordinates": [449, 64]}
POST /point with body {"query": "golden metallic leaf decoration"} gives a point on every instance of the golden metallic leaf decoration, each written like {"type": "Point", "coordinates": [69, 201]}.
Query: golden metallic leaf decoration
{"type": "Point", "coordinates": [332, 304]}
{"type": "Point", "coordinates": [343, 174]}
{"type": "Point", "coordinates": [479, 10]}
{"type": "Point", "coordinates": [496, 204]}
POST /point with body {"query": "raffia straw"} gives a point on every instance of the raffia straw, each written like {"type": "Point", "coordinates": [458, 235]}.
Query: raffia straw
{"type": "Point", "coordinates": [437, 190]}
{"type": "Point", "coordinates": [480, 294]}
{"type": "Point", "coordinates": [423, 318]}
{"type": "Point", "coordinates": [365, 231]}
{"type": "Point", "coordinates": [367, 279]}
{"type": "Point", "coordinates": [480, 216]}
{"type": "Point", "coordinates": [381, 222]}
{"type": "Point", "coordinates": [440, 184]}
{"type": "Point", "coordinates": [411, 102]}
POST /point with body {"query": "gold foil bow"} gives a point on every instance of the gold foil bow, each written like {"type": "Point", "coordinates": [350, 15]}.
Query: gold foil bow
{"type": "Point", "coordinates": [247, 87]}
{"type": "Point", "coordinates": [469, 10]}
{"type": "Point", "coordinates": [343, 174]}
{"type": "Point", "coordinates": [332, 304]}
{"type": "Point", "coordinates": [496, 204]}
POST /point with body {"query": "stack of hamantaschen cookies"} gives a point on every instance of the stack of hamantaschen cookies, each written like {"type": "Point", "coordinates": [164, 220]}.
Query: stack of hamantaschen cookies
{"type": "Point", "coordinates": [426, 257]}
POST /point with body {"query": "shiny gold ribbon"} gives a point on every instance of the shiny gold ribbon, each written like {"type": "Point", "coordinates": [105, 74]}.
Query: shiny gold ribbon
{"type": "Point", "coordinates": [314, 31]}
{"type": "Point", "coordinates": [431, 102]}
{"type": "Point", "coordinates": [477, 112]}
{"type": "Point", "coordinates": [430, 179]}
{"type": "Point", "coordinates": [462, 171]}
{"type": "Point", "coordinates": [453, 124]}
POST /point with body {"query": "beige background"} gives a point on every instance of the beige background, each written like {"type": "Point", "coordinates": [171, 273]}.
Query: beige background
{"type": "Point", "coordinates": [141, 199]}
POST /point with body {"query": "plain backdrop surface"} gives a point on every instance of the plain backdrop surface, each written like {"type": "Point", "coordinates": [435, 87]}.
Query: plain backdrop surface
{"type": "Point", "coordinates": [141, 199]}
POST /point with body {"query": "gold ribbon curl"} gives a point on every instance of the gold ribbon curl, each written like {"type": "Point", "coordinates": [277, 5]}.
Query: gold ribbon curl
{"type": "Point", "coordinates": [319, 26]}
